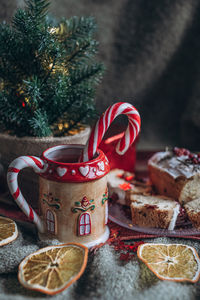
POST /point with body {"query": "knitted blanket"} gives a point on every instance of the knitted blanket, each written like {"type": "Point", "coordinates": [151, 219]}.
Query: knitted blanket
{"type": "Point", "coordinates": [106, 276]}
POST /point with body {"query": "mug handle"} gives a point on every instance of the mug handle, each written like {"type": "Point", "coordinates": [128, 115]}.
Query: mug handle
{"type": "Point", "coordinates": [39, 166]}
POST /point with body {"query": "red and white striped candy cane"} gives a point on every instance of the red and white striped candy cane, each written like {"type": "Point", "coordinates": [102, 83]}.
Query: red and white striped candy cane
{"type": "Point", "coordinates": [120, 108]}
{"type": "Point", "coordinates": [14, 168]}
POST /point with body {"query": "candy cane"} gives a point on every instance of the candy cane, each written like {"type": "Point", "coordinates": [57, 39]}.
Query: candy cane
{"type": "Point", "coordinates": [120, 108]}
{"type": "Point", "coordinates": [14, 168]}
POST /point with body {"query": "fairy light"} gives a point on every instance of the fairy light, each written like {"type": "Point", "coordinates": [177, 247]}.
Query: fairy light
{"type": "Point", "coordinates": [27, 100]}
{"type": "Point", "coordinates": [61, 68]}
{"type": "Point", "coordinates": [73, 131]}
{"type": "Point", "coordinates": [61, 30]}
{"type": "Point", "coordinates": [58, 30]}
{"type": "Point", "coordinates": [53, 30]}
{"type": "Point", "coordinates": [60, 126]}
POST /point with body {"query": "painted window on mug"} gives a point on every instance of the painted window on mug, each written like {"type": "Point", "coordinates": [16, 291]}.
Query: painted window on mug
{"type": "Point", "coordinates": [50, 221]}
{"type": "Point", "coordinates": [84, 224]}
{"type": "Point", "coordinates": [106, 212]}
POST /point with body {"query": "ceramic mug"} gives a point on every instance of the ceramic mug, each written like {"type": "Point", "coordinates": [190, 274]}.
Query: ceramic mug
{"type": "Point", "coordinates": [72, 196]}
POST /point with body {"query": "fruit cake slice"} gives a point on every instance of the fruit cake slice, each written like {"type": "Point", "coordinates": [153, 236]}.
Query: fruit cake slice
{"type": "Point", "coordinates": [154, 211]}
{"type": "Point", "coordinates": [193, 211]}
{"type": "Point", "coordinates": [117, 185]}
{"type": "Point", "coordinates": [121, 185]}
{"type": "Point", "coordinates": [176, 174]}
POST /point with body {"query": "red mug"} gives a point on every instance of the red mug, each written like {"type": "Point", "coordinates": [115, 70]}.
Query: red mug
{"type": "Point", "coordinates": [72, 195]}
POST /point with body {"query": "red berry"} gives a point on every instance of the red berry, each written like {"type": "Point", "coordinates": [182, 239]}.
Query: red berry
{"type": "Point", "coordinates": [177, 151]}
{"type": "Point", "coordinates": [181, 151]}
{"type": "Point", "coordinates": [191, 155]}
{"type": "Point", "coordinates": [186, 152]}
{"type": "Point", "coordinates": [195, 161]}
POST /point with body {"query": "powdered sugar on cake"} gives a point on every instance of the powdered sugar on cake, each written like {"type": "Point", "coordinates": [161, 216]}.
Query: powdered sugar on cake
{"type": "Point", "coordinates": [175, 166]}
{"type": "Point", "coordinates": [174, 218]}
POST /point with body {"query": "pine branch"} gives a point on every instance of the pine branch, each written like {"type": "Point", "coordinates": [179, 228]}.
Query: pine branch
{"type": "Point", "coordinates": [36, 11]}
{"type": "Point", "coordinates": [39, 124]}
{"type": "Point", "coordinates": [50, 71]}
{"type": "Point", "coordinates": [92, 72]}
{"type": "Point", "coordinates": [11, 68]}
{"type": "Point", "coordinates": [76, 34]}
{"type": "Point", "coordinates": [32, 92]}
{"type": "Point", "coordinates": [81, 51]}
{"type": "Point", "coordinates": [46, 74]}
{"type": "Point", "coordinates": [77, 27]}
{"type": "Point", "coordinates": [12, 117]}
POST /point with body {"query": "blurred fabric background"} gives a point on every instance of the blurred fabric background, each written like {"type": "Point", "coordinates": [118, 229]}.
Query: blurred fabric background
{"type": "Point", "coordinates": [151, 50]}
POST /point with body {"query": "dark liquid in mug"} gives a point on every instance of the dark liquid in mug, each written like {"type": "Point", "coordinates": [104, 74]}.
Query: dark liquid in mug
{"type": "Point", "coordinates": [67, 159]}
{"type": "Point", "coordinates": [66, 155]}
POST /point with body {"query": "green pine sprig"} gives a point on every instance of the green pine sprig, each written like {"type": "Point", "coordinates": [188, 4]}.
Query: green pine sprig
{"type": "Point", "coordinates": [48, 72]}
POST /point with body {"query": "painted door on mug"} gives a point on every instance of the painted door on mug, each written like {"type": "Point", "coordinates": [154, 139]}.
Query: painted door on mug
{"type": "Point", "coordinates": [84, 226]}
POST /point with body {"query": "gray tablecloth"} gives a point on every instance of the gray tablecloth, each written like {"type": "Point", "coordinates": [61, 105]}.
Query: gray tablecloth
{"type": "Point", "coordinates": [106, 276]}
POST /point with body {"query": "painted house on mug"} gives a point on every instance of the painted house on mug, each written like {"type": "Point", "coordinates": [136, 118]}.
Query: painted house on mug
{"type": "Point", "coordinates": [83, 218]}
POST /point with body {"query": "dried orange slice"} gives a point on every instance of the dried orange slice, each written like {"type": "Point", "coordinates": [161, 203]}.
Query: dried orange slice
{"type": "Point", "coordinates": [175, 262]}
{"type": "Point", "coordinates": [8, 231]}
{"type": "Point", "coordinates": [52, 269]}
